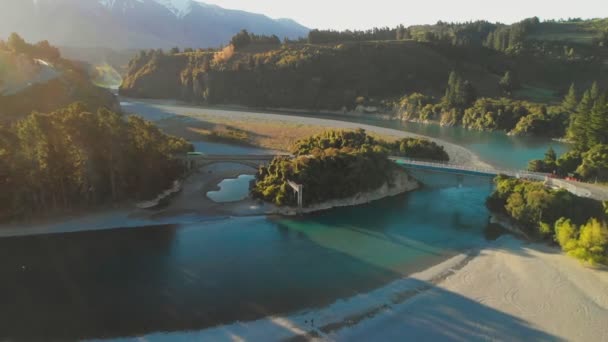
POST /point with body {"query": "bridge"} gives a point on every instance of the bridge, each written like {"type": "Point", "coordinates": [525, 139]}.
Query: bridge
{"type": "Point", "coordinates": [594, 191]}
{"type": "Point", "coordinates": [466, 169]}
{"type": "Point", "coordinates": [197, 160]}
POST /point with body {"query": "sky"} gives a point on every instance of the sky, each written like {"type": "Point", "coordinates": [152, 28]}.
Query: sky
{"type": "Point", "coordinates": [358, 14]}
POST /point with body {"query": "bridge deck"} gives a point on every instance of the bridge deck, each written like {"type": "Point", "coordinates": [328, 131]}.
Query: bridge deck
{"type": "Point", "coordinates": [467, 170]}
{"type": "Point", "coordinates": [596, 192]}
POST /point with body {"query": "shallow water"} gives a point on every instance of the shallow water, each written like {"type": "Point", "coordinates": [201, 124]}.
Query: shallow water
{"type": "Point", "coordinates": [232, 189]}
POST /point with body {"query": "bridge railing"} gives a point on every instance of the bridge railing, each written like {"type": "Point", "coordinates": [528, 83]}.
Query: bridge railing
{"type": "Point", "coordinates": [455, 166]}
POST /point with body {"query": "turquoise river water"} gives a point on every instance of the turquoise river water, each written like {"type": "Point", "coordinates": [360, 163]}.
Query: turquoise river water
{"type": "Point", "coordinates": [130, 282]}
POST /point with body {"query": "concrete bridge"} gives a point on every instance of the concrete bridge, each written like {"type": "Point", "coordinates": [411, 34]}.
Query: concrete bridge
{"type": "Point", "coordinates": [467, 169]}
{"type": "Point", "coordinates": [594, 191]}
{"type": "Point", "coordinates": [197, 160]}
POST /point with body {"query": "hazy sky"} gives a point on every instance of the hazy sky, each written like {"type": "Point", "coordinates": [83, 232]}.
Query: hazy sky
{"type": "Point", "coordinates": [358, 14]}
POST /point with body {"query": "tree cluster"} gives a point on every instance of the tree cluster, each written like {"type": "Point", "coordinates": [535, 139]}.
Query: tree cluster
{"type": "Point", "coordinates": [336, 165]}
{"type": "Point", "coordinates": [244, 39]}
{"type": "Point", "coordinates": [331, 36]}
{"type": "Point", "coordinates": [588, 132]}
{"type": "Point", "coordinates": [459, 95]}
{"type": "Point", "coordinates": [589, 118]}
{"type": "Point", "coordinates": [42, 50]}
{"type": "Point", "coordinates": [554, 215]}
{"type": "Point", "coordinates": [75, 158]}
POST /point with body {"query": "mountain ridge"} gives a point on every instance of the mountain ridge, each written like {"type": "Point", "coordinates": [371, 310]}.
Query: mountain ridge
{"type": "Point", "coordinates": [139, 24]}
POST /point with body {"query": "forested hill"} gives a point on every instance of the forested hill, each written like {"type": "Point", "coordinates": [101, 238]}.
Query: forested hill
{"type": "Point", "coordinates": [35, 77]}
{"type": "Point", "coordinates": [332, 70]}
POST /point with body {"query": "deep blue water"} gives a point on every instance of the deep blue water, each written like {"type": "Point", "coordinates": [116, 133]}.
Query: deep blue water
{"type": "Point", "coordinates": [129, 282]}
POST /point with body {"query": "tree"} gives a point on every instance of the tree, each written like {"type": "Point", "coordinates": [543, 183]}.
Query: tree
{"type": "Point", "coordinates": [241, 39]}
{"type": "Point", "coordinates": [459, 93]}
{"type": "Point", "coordinates": [74, 158]}
{"type": "Point", "coordinates": [570, 100]}
{"type": "Point", "coordinates": [595, 164]}
{"type": "Point", "coordinates": [598, 122]}
{"type": "Point", "coordinates": [174, 50]}
{"type": "Point", "coordinates": [17, 44]}
{"type": "Point", "coordinates": [568, 162]}
{"type": "Point", "coordinates": [594, 92]}
{"type": "Point", "coordinates": [592, 242]}
{"type": "Point", "coordinates": [566, 234]}
{"type": "Point", "coordinates": [508, 83]}
{"type": "Point", "coordinates": [550, 158]}
{"type": "Point", "coordinates": [46, 51]}
{"type": "Point", "coordinates": [536, 165]}
{"type": "Point", "coordinates": [469, 93]}
{"type": "Point", "coordinates": [588, 243]}
{"type": "Point", "coordinates": [578, 131]}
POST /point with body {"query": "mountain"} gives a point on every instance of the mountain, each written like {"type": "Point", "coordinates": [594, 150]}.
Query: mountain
{"type": "Point", "coordinates": [35, 77]}
{"type": "Point", "coordinates": [121, 24]}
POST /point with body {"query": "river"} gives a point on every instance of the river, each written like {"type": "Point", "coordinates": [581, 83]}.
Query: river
{"type": "Point", "coordinates": [195, 275]}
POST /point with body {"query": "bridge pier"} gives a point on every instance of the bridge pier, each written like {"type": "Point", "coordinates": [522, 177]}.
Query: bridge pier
{"type": "Point", "coordinates": [299, 189]}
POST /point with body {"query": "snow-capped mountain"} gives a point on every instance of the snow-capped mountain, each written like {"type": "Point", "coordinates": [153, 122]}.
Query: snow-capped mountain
{"type": "Point", "coordinates": [134, 23]}
{"type": "Point", "coordinates": [179, 8]}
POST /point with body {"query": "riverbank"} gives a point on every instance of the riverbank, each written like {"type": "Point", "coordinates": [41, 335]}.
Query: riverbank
{"type": "Point", "coordinates": [402, 182]}
{"type": "Point", "coordinates": [506, 290]}
{"type": "Point", "coordinates": [193, 200]}
{"type": "Point", "coordinates": [185, 120]}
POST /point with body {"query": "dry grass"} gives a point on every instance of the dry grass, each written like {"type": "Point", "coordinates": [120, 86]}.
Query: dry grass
{"type": "Point", "coordinates": [270, 134]}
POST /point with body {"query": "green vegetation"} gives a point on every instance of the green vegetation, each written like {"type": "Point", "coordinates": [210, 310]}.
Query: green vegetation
{"type": "Point", "coordinates": [554, 215]}
{"type": "Point", "coordinates": [460, 107]}
{"type": "Point", "coordinates": [588, 242]}
{"type": "Point", "coordinates": [493, 71]}
{"type": "Point", "coordinates": [495, 114]}
{"type": "Point", "coordinates": [73, 158]}
{"type": "Point", "coordinates": [334, 70]}
{"type": "Point", "coordinates": [244, 39]}
{"type": "Point", "coordinates": [587, 122]}
{"type": "Point", "coordinates": [336, 165]}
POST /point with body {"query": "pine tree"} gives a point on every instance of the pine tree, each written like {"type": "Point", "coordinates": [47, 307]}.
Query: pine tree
{"type": "Point", "coordinates": [449, 100]}
{"type": "Point", "coordinates": [570, 100]}
{"type": "Point", "coordinates": [508, 83]}
{"type": "Point", "coordinates": [594, 92]}
{"type": "Point", "coordinates": [598, 122]}
{"type": "Point", "coordinates": [550, 156]}
{"type": "Point", "coordinates": [578, 132]}
{"type": "Point", "coordinates": [469, 93]}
